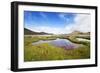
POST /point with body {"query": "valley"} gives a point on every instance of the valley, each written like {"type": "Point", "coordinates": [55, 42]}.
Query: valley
{"type": "Point", "coordinates": [41, 46]}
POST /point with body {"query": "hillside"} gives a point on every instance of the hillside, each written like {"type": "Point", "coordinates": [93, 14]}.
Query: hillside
{"type": "Point", "coordinates": [30, 32]}
{"type": "Point", "coordinates": [79, 33]}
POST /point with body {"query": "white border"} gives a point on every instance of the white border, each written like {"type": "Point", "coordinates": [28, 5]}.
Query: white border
{"type": "Point", "coordinates": [22, 64]}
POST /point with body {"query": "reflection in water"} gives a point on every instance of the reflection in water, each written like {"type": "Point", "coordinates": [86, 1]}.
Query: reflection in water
{"type": "Point", "coordinates": [63, 43]}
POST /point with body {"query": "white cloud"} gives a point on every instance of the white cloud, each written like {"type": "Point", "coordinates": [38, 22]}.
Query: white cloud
{"type": "Point", "coordinates": [62, 16]}
{"type": "Point", "coordinates": [82, 23]}
{"type": "Point", "coordinates": [43, 15]}
{"type": "Point", "coordinates": [47, 29]}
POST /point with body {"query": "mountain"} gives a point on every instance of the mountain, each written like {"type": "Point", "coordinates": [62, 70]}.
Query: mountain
{"type": "Point", "coordinates": [87, 33]}
{"type": "Point", "coordinates": [79, 33]}
{"type": "Point", "coordinates": [30, 32]}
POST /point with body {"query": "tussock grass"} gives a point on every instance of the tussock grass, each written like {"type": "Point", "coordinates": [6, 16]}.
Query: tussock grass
{"type": "Point", "coordinates": [45, 51]}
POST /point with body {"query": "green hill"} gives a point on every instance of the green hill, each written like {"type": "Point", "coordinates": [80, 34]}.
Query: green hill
{"type": "Point", "coordinates": [30, 32]}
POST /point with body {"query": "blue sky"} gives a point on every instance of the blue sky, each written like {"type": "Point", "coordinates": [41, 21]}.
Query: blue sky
{"type": "Point", "coordinates": [51, 22]}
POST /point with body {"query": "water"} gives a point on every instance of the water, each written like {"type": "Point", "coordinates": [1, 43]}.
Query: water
{"type": "Point", "coordinates": [63, 43]}
{"type": "Point", "coordinates": [82, 39]}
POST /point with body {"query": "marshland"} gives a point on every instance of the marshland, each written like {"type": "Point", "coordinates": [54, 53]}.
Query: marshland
{"type": "Point", "coordinates": [56, 36]}
{"type": "Point", "coordinates": [56, 47]}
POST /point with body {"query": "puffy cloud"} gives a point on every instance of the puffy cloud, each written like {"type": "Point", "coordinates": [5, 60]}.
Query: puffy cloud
{"type": "Point", "coordinates": [82, 23]}
{"type": "Point", "coordinates": [48, 29]}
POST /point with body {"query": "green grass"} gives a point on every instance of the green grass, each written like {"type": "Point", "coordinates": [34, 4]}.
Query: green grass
{"type": "Point", "coordinates": [46, 51]}
{"type": "Point", "coordinates": [43, 52]}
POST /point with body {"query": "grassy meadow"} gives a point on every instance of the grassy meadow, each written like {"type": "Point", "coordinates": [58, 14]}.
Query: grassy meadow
{"type": "Point", "coordinates": [46, 51]}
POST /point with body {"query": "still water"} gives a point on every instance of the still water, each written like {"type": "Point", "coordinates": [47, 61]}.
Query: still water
{"type": "Point", "coordinates": [63, 43]}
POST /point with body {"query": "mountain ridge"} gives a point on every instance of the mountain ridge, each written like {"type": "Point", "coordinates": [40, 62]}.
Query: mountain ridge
{"type": "Point", "coordinates": [30, 32]}
{"type": "Point", "coordinates": [78, 32]}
